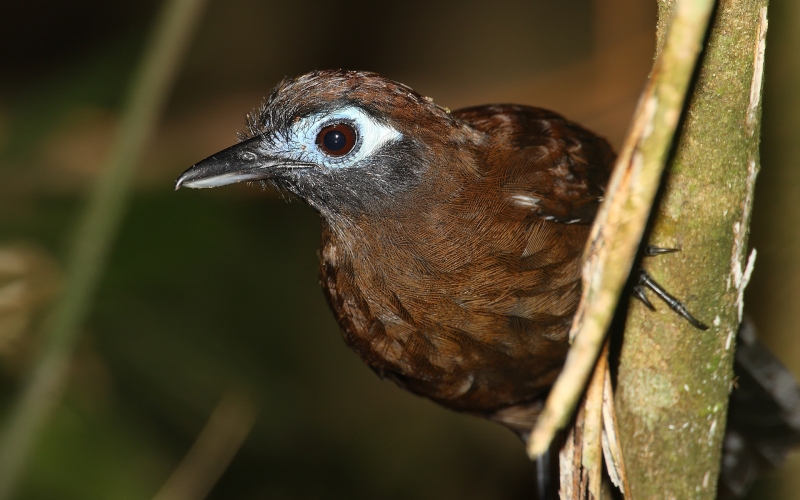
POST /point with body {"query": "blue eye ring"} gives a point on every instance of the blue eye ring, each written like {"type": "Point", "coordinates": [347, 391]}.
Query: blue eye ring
{"type": "Point", "coordinates": [336, 140]}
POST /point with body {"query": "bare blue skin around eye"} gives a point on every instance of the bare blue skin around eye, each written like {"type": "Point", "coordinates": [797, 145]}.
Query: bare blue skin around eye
{"type": "Point", "coordinates": [300, 142]}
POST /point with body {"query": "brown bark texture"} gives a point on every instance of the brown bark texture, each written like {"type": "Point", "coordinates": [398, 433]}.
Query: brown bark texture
{"type": "Point", "coordinates": [673, 380]}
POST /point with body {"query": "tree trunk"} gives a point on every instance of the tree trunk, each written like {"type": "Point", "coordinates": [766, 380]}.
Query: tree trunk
{"type": "Point", "coordinates": [673, 380]}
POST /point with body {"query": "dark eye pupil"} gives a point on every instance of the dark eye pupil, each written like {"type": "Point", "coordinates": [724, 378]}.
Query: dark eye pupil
{"type": "Point", "coordinates": [334, 140]}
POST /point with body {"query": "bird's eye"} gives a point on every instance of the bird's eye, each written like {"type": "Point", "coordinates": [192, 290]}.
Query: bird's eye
{"type": "Point", "coordinates": [336, 140]}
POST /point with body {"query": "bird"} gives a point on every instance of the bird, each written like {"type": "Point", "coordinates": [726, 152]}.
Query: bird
{"type": "Point", "coordinates": [452, 241]}
{"type": "Point", "coordinates": [452, 245]}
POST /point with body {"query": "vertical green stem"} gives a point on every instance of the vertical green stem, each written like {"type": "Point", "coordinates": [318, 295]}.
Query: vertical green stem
{"type": "Point", "coordinates": [95, 235]}
{"type": "Point", "coordinates": [674, 380]}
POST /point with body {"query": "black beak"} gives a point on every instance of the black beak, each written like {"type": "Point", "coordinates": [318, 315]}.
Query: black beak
{"type": "Point", "coordinates": [246, 161]}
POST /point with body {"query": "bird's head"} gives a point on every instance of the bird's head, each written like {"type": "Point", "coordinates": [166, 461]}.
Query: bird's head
{"type": "Point", "coordinates": [343, 141]}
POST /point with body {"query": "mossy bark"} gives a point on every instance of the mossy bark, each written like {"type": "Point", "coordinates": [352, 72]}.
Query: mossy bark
{"type": "Point", "coordinates": [673, 380]}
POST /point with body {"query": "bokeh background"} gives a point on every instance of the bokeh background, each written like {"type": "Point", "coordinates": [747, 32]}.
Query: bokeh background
{"type": "Point", "coordinates": [209, 328]}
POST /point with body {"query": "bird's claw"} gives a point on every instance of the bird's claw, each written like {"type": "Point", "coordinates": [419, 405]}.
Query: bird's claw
{"type": "Point", "coordinates": [638, 292]}
{"type": "Point", "coordinates": [644, 280]}
{"type": "Point", "coordinates": [652, 250]}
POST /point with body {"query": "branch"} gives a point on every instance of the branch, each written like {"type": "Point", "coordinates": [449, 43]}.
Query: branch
{"type": "Point", "coordinates": [673, 381]}
{"type": "Point", "coordinates": [621, 220]}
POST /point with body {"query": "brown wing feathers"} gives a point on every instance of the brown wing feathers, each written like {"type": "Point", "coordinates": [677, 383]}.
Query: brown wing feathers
{"type": "Point", "coordinates": [474, 305]}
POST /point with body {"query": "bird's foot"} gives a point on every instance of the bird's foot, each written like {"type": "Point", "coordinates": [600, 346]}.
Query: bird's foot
{"type": "Point", "coordinates": [645, 281]}
{"type": "Point", "coordinates": [652, 250]}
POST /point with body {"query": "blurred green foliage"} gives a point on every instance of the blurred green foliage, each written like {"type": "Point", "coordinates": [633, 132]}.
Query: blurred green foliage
{"type": "Point", "coordinates": [205, 293]}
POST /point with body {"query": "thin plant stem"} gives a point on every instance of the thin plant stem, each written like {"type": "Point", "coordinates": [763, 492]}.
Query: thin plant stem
{"type": "Point", "coordinates": [94, 237]}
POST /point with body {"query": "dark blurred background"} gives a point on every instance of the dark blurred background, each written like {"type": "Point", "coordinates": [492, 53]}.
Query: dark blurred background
{"type": "Point", "coordinates": [210, 304]}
